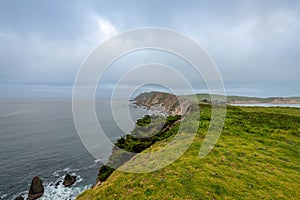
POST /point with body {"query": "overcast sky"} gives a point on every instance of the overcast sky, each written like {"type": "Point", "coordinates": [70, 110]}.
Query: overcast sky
{"type": "Point", "coordinates": [255, 44]}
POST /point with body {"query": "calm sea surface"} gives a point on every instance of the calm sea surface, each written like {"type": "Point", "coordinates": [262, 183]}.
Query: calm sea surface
{"type": "Point", "coordinates": [38, 138]}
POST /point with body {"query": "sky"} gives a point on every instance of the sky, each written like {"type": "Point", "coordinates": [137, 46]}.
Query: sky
{"type": "Point", "coordinates": [255, 44]}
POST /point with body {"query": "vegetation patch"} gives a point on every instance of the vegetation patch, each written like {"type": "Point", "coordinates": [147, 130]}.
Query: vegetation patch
{"type": "Point", "coordinates": [148, 130]}
{"type": "Point", "coordinates": [256, 157]}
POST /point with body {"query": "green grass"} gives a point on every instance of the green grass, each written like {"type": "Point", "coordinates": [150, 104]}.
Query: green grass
{"type": "Point", "coordinates": [148, 130]}
{"type": "Point", "coordinates": [256, 157]}
{"type": "Point", "coordinates": [232, 99]}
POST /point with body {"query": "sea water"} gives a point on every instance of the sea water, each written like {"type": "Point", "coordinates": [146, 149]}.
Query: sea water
{"type": "Point", "coordinates": [38, 138]}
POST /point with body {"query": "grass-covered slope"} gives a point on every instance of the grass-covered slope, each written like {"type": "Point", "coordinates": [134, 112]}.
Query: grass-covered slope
{"type": "Point", "coordinates": [256, 157]}
{"type": "Point", "coordinates": [148, 131]}
{"type": "Point", "coordinates": [248, 100]}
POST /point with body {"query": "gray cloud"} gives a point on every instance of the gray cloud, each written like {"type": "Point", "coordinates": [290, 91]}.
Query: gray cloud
{"type": "Point", "coordinates": [254, 43]}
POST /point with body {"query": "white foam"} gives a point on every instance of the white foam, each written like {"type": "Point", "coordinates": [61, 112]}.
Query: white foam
{"type": "Point", "coordinates": [68, 170]}
{"type": "Point", "coordinates": [3, 196]}
{"type": "Point", "coordinates": [61, 192]}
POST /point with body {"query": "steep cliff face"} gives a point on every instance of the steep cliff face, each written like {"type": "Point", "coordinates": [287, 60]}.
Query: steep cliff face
{"type": "Point", "coordinates": [164, 102]}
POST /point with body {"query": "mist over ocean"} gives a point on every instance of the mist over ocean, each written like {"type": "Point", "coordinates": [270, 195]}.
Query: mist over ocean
{"type": "Point", "coordinates": [38, 138]}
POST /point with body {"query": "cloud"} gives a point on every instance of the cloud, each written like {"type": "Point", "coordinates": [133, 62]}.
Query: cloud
{"type": "Point", "coordinates": [105, 27]}
{"type": "Point", "coordinates": [254, 45]}
{"type": "Point", "coordinates": [39, 58]}
{"type": "Point", "coordinates": [44, 43]}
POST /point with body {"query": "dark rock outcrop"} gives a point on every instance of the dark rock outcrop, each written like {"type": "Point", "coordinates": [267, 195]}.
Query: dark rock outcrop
{"type": "Point", "coordinates": [19, 198]}
{"type": "Point", "coordinates": [57, 184]}
{"type": "Point", "coordinates": [69, 180]}
{"type": "Point", "coordinates": [36, 189]}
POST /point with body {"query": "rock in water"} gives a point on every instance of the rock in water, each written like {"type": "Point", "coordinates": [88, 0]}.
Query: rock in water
{"type": "Point", "coordinates": [36, 189]}
{"type": "Point", "coordinates": [57, 184]}
{"type": "Point", "coordinates": [19, 198]}
{"type": "Point", "coordinates": [69, 180]}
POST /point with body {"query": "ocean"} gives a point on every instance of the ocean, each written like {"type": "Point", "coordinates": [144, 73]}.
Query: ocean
{"type": "Point", "coordinates": [38, 138]}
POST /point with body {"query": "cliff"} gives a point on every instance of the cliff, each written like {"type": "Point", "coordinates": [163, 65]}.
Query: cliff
{"type": "Point", "coordinates": [169, 104]}
{"type": "Point", "coordinates": [256, 157]}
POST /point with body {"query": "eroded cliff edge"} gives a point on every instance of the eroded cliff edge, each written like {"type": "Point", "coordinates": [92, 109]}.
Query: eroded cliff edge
{"type": "Point", "coordinates": [169, 104]}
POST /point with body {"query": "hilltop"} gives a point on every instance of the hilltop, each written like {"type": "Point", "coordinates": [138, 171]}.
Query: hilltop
{"type": "Point", "coordinates": [170, 103]}
{"type": "Point", "coordinates": [250, 100]}
{"type": "Point", "coordinates": [256, 157]}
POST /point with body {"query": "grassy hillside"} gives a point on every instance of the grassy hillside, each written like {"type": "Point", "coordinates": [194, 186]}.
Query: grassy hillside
{"type": "Point", "coordinates": [256, 157]}
{"type": "Point", "coordinates": [242, 99]}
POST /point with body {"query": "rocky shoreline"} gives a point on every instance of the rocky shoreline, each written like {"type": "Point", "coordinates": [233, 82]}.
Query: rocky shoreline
{"type": "Point", "coordinates": [37, 188]}
{"type": "Point", "coordinates": [167, 110]}
{"type": "Point", "coordinates": [137, 141]}
{"type": "Point", "coordinates": [164, 106]}
{"type": "Point", "coordinates": [169, 104]}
